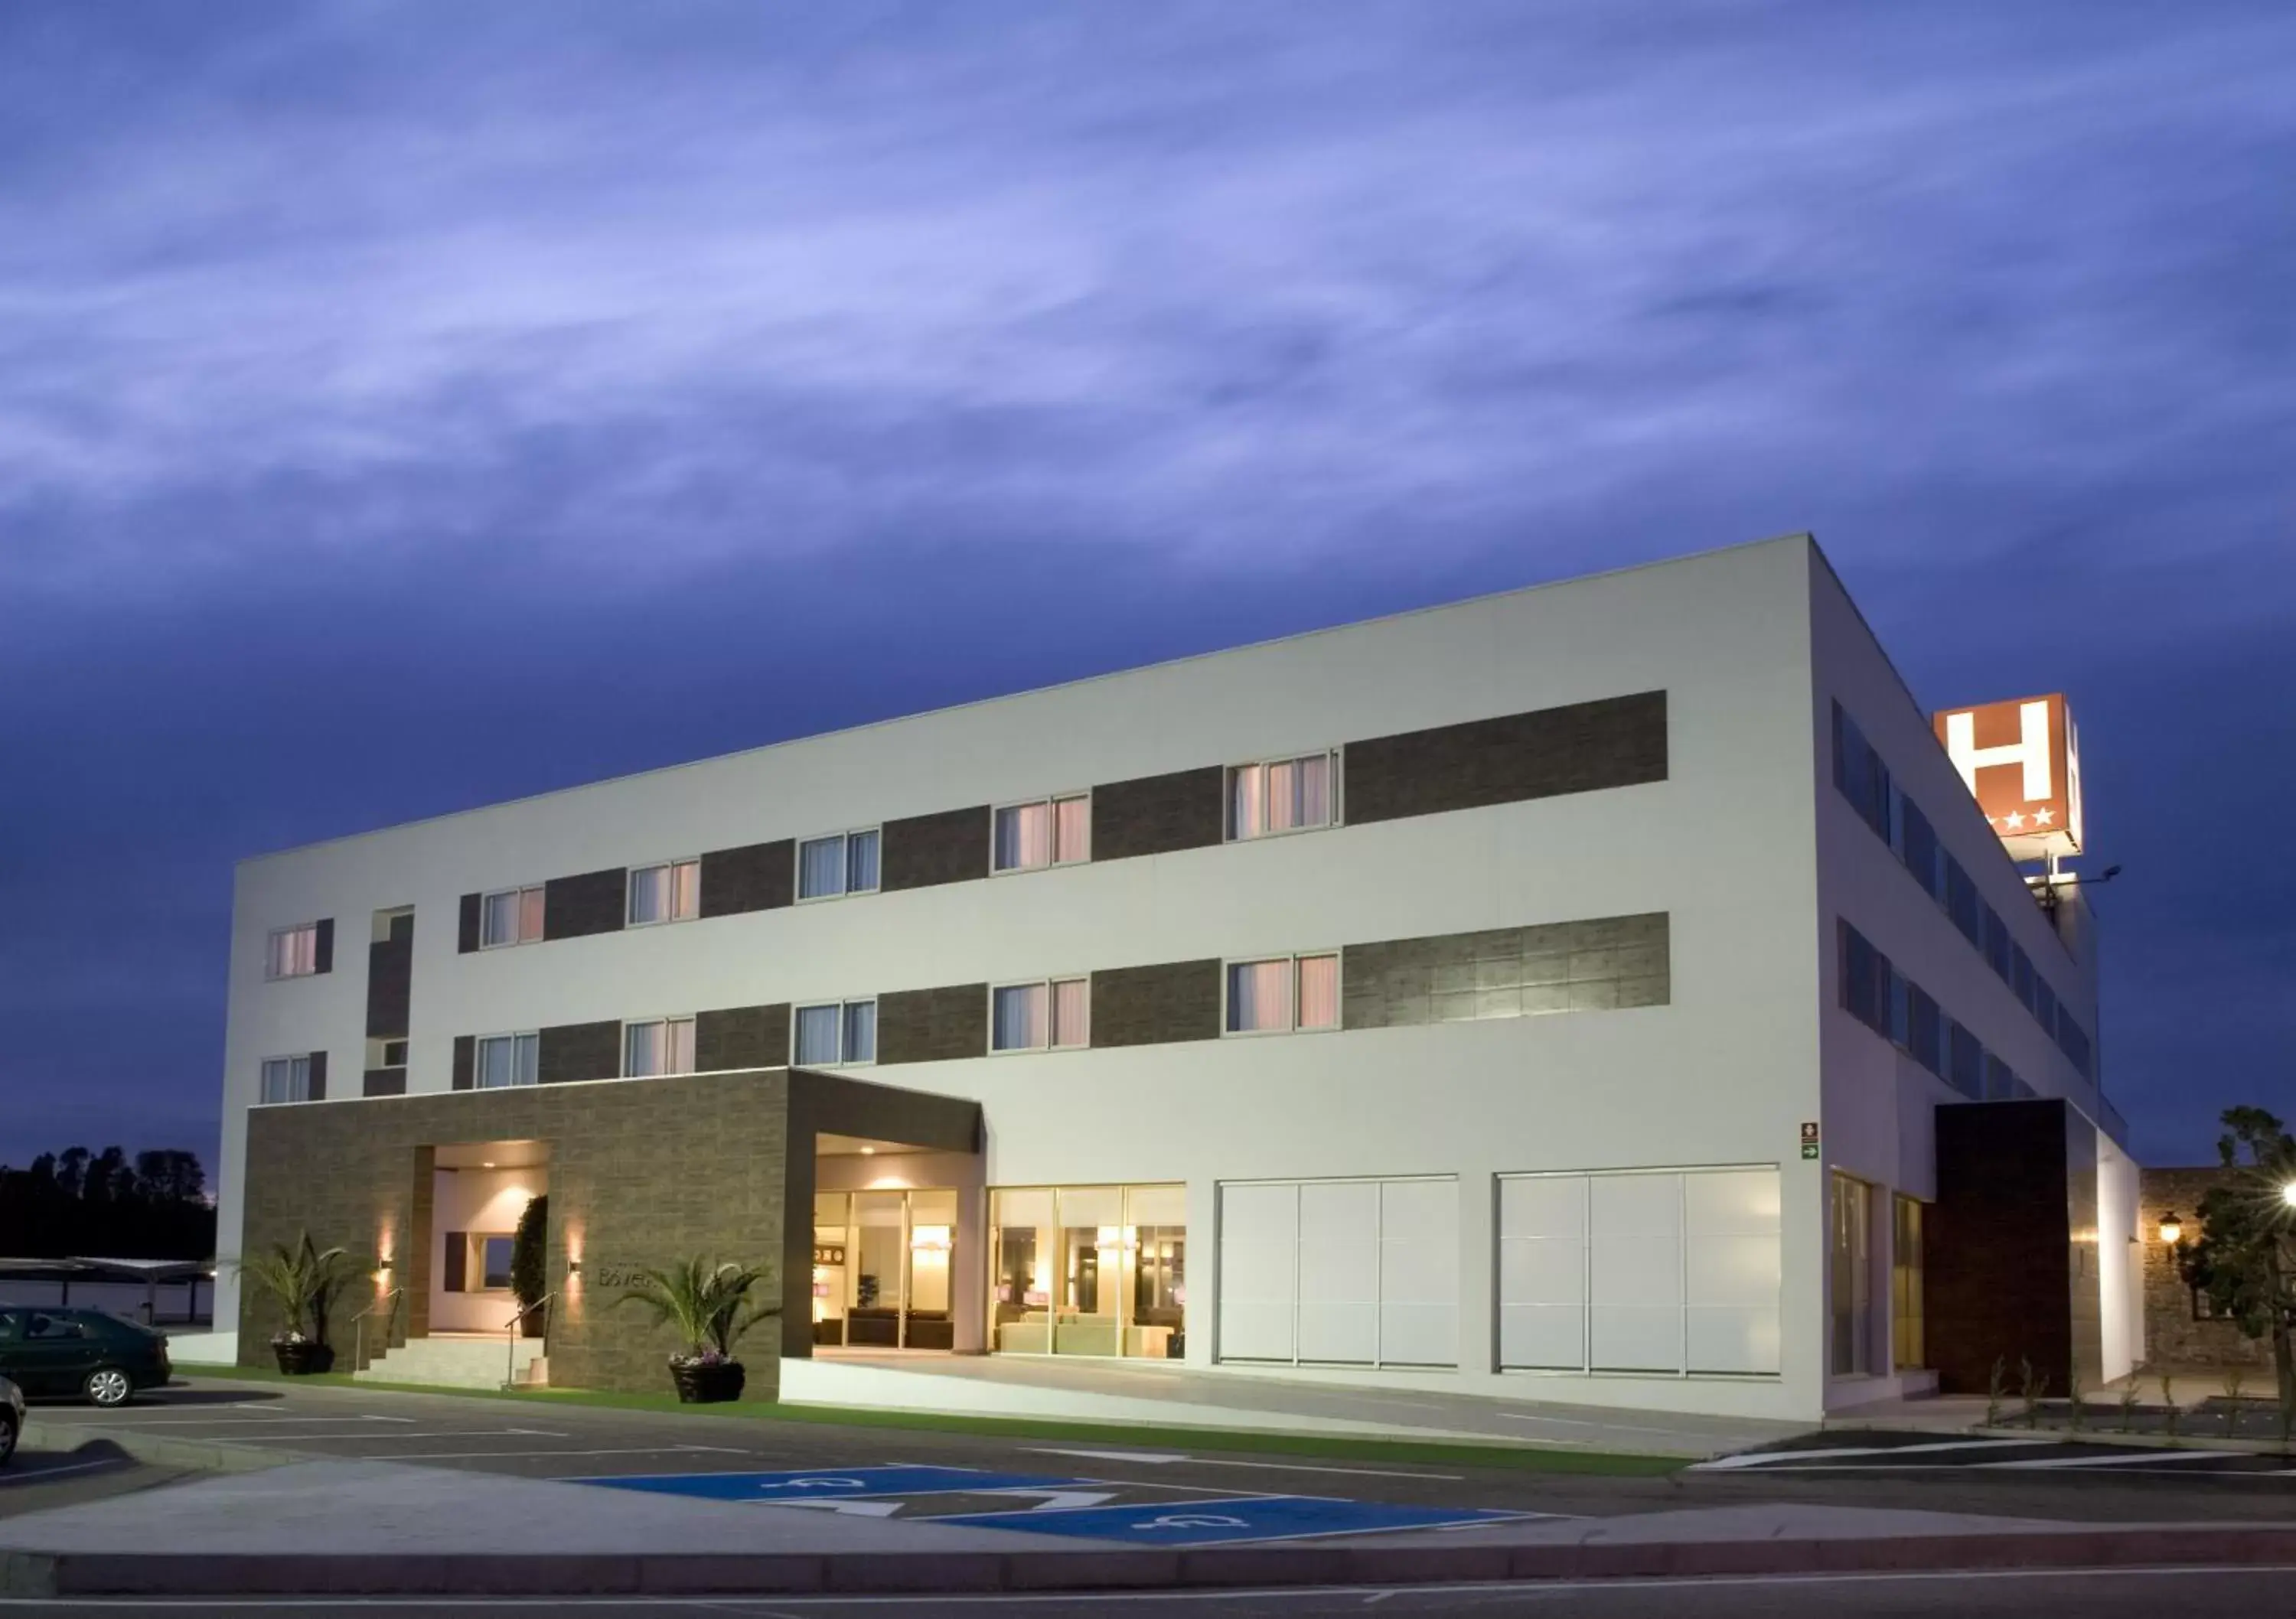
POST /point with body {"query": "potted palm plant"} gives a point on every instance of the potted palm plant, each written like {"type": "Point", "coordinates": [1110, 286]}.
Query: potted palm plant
{"type": "Point", "coordinates": [711, 1306]}
{"type": "Point", "coordinates": [300, 1279]}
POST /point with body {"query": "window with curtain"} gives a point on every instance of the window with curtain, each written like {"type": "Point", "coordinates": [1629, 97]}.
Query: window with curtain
{"type": "Point", "coordinates": [1284, 994]}
{"type": "Point", "coordinates": [1054, 831]}
{"type": "Point", "coordinates": [1039, 1017]}
{"type": "Point", "coordinates": [658, 1046]}
{"type": "Point", "coordinates": [507, 1059]}
{"type": "Point", "coordinates": [833, 1033]}
{"type": "Point", "coordinates": [668, 892]}
{"type": "Point", "coordinates": [842, 863]}
{"type": "Point", "coordinates": [287, 1079]}
{"type": "Point", "coordinates": [1290, 794]}
{"type": "Point", "coordinates": [511, 916]}
{"type": "Point", "coordinates": [293, 953]}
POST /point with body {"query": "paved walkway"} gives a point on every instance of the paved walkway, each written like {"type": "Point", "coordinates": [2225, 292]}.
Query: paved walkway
{"type": "Point", "coordinates": [1146, 1392]}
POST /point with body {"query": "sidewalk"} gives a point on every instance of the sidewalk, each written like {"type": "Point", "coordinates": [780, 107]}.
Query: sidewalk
{"type": "Point", "coordinates": [383, 1529]}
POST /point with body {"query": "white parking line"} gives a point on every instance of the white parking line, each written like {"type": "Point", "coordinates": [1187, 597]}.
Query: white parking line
{"type": "Point", "coordinates": [14, 1477]}
{"type": "Point", "coordinates": [1766, 1459]}
{"type": "Point", "coordinates": [132, 1419]}
{"type": "Point", "coordinates": [475, 1433]}
{"type": "Point", "coordinates": [2139, 1458]}
{"type": "Point", "coordinates": [1161, 1458]}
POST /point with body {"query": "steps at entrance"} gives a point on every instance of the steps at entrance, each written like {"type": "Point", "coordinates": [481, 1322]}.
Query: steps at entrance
{"type": "Point", "coordinates": [461, 1360]}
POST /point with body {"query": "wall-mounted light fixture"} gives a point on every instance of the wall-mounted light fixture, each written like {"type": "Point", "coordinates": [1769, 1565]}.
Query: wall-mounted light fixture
{"type": "Point", "coordinates": [2287, 1193]}
{"type": "Point", "coordinates": [2172, 1229]}
{"type": "Point", "coordinates": [573, 1267]}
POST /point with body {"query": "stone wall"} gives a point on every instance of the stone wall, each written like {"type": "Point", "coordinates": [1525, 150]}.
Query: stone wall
{"type": "Point", "coordinates": [2175, 1337]}
{"type": "Point", "coordinates": [640, 1174]}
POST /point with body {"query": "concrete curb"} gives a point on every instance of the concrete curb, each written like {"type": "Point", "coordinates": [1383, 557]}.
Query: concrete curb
{"type": "Point", "coordinates": [34, 1573]}
{"type": "Point", "coordinates": [157, 1449]}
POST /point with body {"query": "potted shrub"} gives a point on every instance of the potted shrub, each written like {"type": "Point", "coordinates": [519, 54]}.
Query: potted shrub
{"type": "Point", "coordinates": [709, 1305]}
{"type": "Point", "coordinates": [529, 1247]}
{"type": "Point", "coordinates": [300, 1279]}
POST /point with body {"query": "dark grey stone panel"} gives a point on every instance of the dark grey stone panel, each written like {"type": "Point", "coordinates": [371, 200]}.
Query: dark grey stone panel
{"type": "Point", "coordinates": [755, 877]}
{"type": "Point", "coordinates": [922, 850]}
{"type": "Point", "coordinates": [1616, 741]}
{"type": "Point", "coordinates": [741, 1037]}
{"type": "Point", "coordinates": [932, 1024]}
{"type": "Point", "coordinates": [571, 1051]}
{"type": "Point", "coordinates": [1159, 814]}
{"type": "Point", "coordinates": [467, 1062]}
{"type": "Point", "coordinates": [318, 1076]}
{"type": "Point", "coordinates": [1599, 964]}
{"type": "Point", "coordinates": [384, 1082]}
{"type": "Point", "coordinates": [466, 923]}
{"type": "Point", "coordinates": [323, 947]}
{"type": "Point", "coordinates": [596, 901]}
{"type": "Point", "coordinates": [390, 983]}
{"type": "Point", "coordinates": [1164, 1002]}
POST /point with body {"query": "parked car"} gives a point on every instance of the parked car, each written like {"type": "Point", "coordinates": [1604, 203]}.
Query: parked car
{"type": "Point", "coordinates": [101, 1358]}
{"type": "Point", "coordinates": [12, 1419]}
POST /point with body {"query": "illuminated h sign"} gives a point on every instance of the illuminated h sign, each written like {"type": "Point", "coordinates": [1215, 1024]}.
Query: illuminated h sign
{"type": "Point", "coordinates": [2021, 761]}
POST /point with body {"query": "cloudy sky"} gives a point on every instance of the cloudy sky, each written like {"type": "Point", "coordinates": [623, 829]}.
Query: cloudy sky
{"type": "Point", "coordinates": [365, 367]}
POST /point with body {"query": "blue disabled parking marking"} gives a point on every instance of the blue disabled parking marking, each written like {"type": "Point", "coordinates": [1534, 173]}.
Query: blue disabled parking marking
{"type": "Point", "coordinates": [1211, 1523]}
{"type": "Point", "coordinates": [824, 1483]}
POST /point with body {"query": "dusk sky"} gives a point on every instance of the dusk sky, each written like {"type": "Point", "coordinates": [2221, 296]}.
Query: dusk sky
{"type": "Point", "coordinates": [365, 368]}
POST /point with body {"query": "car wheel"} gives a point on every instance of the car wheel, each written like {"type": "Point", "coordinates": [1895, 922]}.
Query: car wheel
{"type": "Point", "coordinates": [107, 1385]}
{"type": "Point", "coordinates": [7, 1435]}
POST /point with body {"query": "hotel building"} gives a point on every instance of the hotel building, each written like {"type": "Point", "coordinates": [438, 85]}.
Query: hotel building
{"type": "Point", "coordinates": [1609, 992]}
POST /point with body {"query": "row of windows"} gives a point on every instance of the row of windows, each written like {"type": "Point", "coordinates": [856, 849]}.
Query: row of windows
{"type": "Point", "coordinates": [1901, 1011]}
{"type": "Point", "coordinates": [1269, 797]}
{"type": "Point", "coordinates": [1863, 779]}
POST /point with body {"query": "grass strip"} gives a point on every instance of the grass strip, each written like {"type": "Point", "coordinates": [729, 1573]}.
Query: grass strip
{"type": "Point", "coordinates": [1351, 1447]}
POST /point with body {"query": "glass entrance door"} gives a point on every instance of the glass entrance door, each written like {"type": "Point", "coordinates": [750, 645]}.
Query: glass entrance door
{"type": "Point", "coordinates": [880, 1269]}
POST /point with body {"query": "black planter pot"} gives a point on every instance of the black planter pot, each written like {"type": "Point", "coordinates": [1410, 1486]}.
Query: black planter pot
{"type": "Point", "coordinates": [708, 1385]}
{"type": "Point", "coordinates": [531, 1323]}
{"type": "Point", "coordinates": [298, 1360]}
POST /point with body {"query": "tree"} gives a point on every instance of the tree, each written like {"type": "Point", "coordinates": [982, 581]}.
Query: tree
{"type": "Point", "coordinates": [2245, 1260]}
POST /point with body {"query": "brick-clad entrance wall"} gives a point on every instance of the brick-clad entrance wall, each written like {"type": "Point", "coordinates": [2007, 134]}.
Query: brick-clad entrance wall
{"type": "Point", "coordinates": [2175, 1337]}
{"type": "Point", "coordinates": [641, 1173]}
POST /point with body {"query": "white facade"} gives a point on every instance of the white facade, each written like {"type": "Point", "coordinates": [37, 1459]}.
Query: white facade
{"type": "Point", "coordinates": [1746, 846]}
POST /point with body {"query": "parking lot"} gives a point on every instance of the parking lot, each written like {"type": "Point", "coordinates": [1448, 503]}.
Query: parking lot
{"type": "Point", "coordinates": [1083, 1485]}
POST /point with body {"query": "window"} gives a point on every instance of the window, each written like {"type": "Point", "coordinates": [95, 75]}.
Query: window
{"type": "Point", "coordinates": [394, 1054]}
{"type": "Point", "coordinates": [1866, 979]}
{"type": "Point", "coordinates": [1284, 994]}
{"type": "Point", "coordinates": [659, 1045]}
{"type": "Point", "coordinates": [1675, 1272]}
{"type": "Point", "coordinates": [1964, 1062]}
{"type": "Point", "coordinates": [488, 1260]}
{"type": "Point", "coordinates": [1859, 774]}
{"type": "Point", "coordinates": [1961, 905]}
{"type": "Point", "coordinates": [1925, 1030]}
{"type": "Point", "coordinates": [2020, 976]}
{"type": "Point", "coordinates": [1291, 795]}
{"type": "Point", "coordinates": [1339, 1272]}
{"type": "Point", "coordinates": [287, 1079]}
{"type": "Point", "coordinates": [1037, 1016]}
{"type": "Point", "coordinates": [507, 1059]}
{"type": "Point", "coordinates": [2073, 1041]}
{"type": "Point", "coordinates": [1917, 847]}
{"type": "Point", "coordinates": [1049, 832]}
{"type": "Point", "coordinates": [670, 892]}
{"type": "Point", "coordinates": [293, 953]}
{"type": "Point", "coordinates": [1088, 1271]}
{"type": "Point", "coordinates": [842, 862]}
{"type": "Point", "coordinates": [1908, 1349]}
{"type": "Point", "coordinates": [1851, 1276]}
{"type": "Point", "coordinates": [1996, 946]}
{"type": "Point", "coordinates": [834, 1032]}
{"type": "Point", "coordinates": [511, 916]}
{"type": "Point", "coordinates": [2001, 1082]}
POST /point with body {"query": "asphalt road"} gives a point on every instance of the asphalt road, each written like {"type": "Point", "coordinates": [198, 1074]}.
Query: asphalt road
{"type": "Point", "coordinates": [537, 1439]}
{"type": "Point", "coordinates": [2110, 1594]}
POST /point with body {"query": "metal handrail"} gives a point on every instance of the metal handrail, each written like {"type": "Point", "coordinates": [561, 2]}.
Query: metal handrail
{"type": "Point", "coordinates": [358, 1341]}
{"type": "Point", "coordinates": [510, 1336]}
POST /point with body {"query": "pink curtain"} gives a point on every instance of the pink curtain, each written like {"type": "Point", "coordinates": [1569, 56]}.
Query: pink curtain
{"type": "Point", "coordinates": [1319, 992]}
{"type": "Point", "coordinates": [685, 885]}
{"type": "Point", "coordinates": [1072, 828]}
{"type": "Point", "coordinates": [529, 915]}
{"type": "Point", "coordinates": [1072, 1012]}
